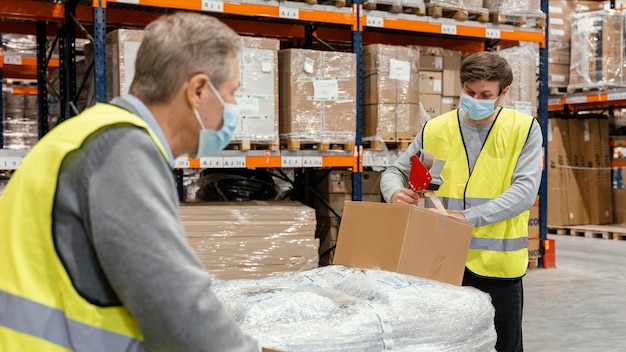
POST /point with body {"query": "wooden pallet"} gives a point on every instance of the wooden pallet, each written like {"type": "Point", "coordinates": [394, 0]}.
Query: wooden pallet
{"type": "Point", "coordinates": [533, 262]}
{"type": "Point", "coordinates": [247, 144]}
{"type": "Point", "coordinates": [446, 11]}
{"type": "Point", "coordinates": [394, 7]}
{"type": "Point", "coordinates": [312, 144]}
{"type": "Point", "coordinates": [591, 88]}
{"type": "Point", "coordinates": [607, 232]}
{"type": "Point", "coordinates": [390, 145]}
{"type": "Point", "coordinates": [336, 3]}
{"type": "Point", "coordinates": [502, 17]}
{"type": "Point", "coordinates": [557, 90]}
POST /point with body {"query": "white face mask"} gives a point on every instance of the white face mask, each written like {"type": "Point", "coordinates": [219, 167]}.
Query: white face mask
{"type": "Point", "coordinates": [477, 109]}
{"type": "Point", "coordinates": [211, 141]}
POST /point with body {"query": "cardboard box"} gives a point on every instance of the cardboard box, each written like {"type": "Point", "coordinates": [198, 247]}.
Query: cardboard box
{"type": "Point", "coordinates": [449, 104]}
{"type": "Point", "coordinates": [390, 91]}
{"type": "Point", "coordinates": [559, 177]}
{"type": "Point", "coordinates": [333, 181]}
{"type": "Point", "coordinates": [558, 75]}
{"type": "Point", "coordinates": [370, 182]}
{"type": "Point", "coordinates": [121, 52]}
{"type": "Point", "coordinates": [533, 221]}
{"type": "Point", "coordinates": [451, 73]}
{"type": "Point", "coordinates": [619, 205]}
{"type": "Point", "coordinates": [404, 239]}
{"type": "Point", "coordinates": [430, 62]}
{"type": "Point", "coordinates": [326, 231]}
{"type": "Point", "coordinates": [432, 104]}
{"type": "Point", "coordinates": [577, 160]}
{"type": "Point", "coordinates": [317, 95]}
{"type": "Point", "coordinates": [430, 82]}
{"type": "Point", "coordinates": [336, 202]}
{"type": "Point", "coordinates": [598, 177]}
{"type": "Point", "coordinates": [534, 251]}
{"type": "Point", "coordinates": [257, 97]}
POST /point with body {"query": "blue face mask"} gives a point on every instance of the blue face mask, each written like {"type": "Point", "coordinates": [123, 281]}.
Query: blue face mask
{"type": "Point", "coordinates": [211, 141]}
{"type": "Point", "coordinates": [477, 109]}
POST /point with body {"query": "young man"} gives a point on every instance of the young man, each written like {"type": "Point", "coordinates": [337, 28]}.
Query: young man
{"type": "Point", "coordinates": [491, 178]}
{"type": "Point", "coordinates": [93, 253]}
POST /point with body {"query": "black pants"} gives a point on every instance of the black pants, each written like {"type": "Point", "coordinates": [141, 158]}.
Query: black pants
{"type": "Point", "coordinates": [507, 297]}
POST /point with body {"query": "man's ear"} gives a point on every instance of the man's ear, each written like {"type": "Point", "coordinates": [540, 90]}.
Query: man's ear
{"type": "Point", "coordinates": [194, 88]}
{"type": "Point", "coordinates": [504, 91]}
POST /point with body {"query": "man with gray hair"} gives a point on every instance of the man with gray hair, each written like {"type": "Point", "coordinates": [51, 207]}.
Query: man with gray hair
{"type": "Point", "coordinates": [94, 255]}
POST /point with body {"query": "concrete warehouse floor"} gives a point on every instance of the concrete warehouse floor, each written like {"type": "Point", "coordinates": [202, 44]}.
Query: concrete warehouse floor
{"type": "Point", "coordinates": [580, 305]}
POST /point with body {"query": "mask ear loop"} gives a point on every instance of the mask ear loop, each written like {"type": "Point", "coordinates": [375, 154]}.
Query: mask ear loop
{"type": "Point", "coordinates": [197, 114]}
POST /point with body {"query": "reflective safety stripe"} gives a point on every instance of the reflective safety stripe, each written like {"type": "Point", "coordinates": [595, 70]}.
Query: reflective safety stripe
{"type": "Point", "coordinates": [500, 245]}
{"type": "Point", "coordinates": [474, 202]}
{"type": "Point", "coordinates": [448, 203]}
{"type": "Point", "coordinates": [35, 319]}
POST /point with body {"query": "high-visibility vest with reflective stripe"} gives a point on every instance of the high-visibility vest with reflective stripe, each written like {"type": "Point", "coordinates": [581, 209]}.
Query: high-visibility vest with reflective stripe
{"type": "Point", "coordinates": [40, 309]}
{"type": "Point", "coordinates": [501, 249]}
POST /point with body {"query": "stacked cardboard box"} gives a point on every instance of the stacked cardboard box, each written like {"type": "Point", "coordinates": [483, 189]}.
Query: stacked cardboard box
{"type": "Point", "coordinates": [598, 162]}
{"type": "Point", "coordinates": [122, 47]}
{"type": "Point", "coordinates": [317, 96]}
{"type": "Point", "coordinates": [245, 240]}
{"type": "Point", "coordinates": [522, 95]}
{"type": "Point", "coordinates": [390, 92]}
{"type": "Point", "coordinates": [257, 97]}
{"type": "Point", "coordinates": [533, 232]}
{"type": "Point", "coordinates": [440, 81]}
{"type": "Point", "coordinates": [598, 59]}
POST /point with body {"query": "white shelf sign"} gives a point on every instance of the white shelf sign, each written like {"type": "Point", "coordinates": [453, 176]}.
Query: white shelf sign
{"type": "Point", "coordinates": [492, 33]}
{"type": "Point", "coordinates": [291, 161]}
{"type": "Point", "coordinates": [232, 162]}
{"type": "Point", "coordinates": [554, 101]}
{"type": "Point", "coordinates": [576, 100]}
{"type": "Point", "coordinates": [10, 162]}
{"type": "Point", "coordinates": [12, 59]}
{"type": "Point", "coordinates": [312, 161]}
{"type": "Point", "coordinates": [448, 29]}
{"type": "Point", "coordinates": [181, 163]}
{"type": "Point", "coordinates": [288, 12]}
{"type": "Point", "coordinates": [368, 158]}
{"type": "Point", "coordinates": [211, 162]}
{"type": "Point", "coordinates": [373, 21]}
{"type": "Point", "coordinates": [212, 5]}
{"type": "Point", "coordinates": [616, 96]}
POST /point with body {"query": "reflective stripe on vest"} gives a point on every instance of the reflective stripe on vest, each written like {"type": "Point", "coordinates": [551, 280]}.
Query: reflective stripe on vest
{"type": "Point", "coordinates": [500, 249]}
{"type": "Point", "coordinates": [52, 325]}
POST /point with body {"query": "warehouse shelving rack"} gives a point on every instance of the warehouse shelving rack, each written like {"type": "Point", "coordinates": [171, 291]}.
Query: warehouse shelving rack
{"type": "Point", "coordinates": [278, 19]}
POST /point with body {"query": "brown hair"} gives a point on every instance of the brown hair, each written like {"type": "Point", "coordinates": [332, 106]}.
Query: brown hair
{"type": "Point", "coordinates": [488, 66]}
{"type": "Point", "coordinates": [177, 46]}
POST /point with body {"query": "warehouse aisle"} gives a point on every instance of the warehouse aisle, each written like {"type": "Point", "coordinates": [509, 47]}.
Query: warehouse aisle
{"type": "Point", "coordinates": [580, 305]}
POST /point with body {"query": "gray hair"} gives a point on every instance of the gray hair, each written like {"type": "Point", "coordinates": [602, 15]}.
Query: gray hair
{"type": "Point", "coordinates": [177, 46]}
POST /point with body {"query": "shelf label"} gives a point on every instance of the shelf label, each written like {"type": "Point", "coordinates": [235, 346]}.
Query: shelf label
{"type": "Point", "coordinates": [554, 101]}
{"type": "Point", "coordinates": [312, 161]}
{"type": "Point", "coordinates": [288, 12]}
{"type": "Point", "coordinates": [373, 21]}
{"type": "Point", "coordinates": [231, 162]}
{"type": "Point", "coordinates": [576, 100]}
{"type": "Point", "coordinates": [492, 33]}
{"type": "Point", "coordinates": [291, 161]}
{"type": "Point", "coordinates": [617, 96]}
{"type": "Point", "coordinates": [212, 162]}
{"type": "Point", "coordinates": [181, 163]}
{"type": "Point", "coordinates": [12, 59]}
{"type": "Point", "coordinates": [10, 162]}
{"type": "Point", "coordinates": [213, 5]}
{"type": "Point", "coordinates": [448, 29]}
{"type": "Point", "coordinates": [368, 158]}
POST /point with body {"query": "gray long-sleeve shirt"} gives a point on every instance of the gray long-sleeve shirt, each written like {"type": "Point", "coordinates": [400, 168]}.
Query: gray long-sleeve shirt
{"type": "Point", "coordinates": [118, 232]}
{"type": "Point", "coordinates": [518, 198]}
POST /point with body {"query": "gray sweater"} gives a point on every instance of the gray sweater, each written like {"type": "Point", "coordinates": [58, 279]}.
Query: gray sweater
{"type": "Point", "coordinates": [515, 200]}
{"type": "Point", "coordinates": [118, 232]}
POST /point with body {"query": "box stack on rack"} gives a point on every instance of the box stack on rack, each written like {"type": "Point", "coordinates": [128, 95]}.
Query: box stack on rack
{"type": "Point", "coordinates": [391, 111]}
{"type": "Point", "coordinates": [122, 46]}
{"type": "Point", "coordinates": [579, 179]}
{"type": "Point", "coordinates": [516, 12]}
{"type": "Point", "coordinates": [534, 251]}
{"type": "Point", "coordinates": [598, 58]}
{"type": "Point", "coordinates": [440, 81]}
{"type": "Point", "coordinates": [248, 240]}
{"type": "Point", "coordinates": [257, 97]}
{"type": "Point", "coordinates": [457, 9]}
{"type": "Point", "coordinates": [522, 95]}
{"type": "Point", "coordinates": [317, 98]}
{"type": "Point", "coordinates": [20, 121]}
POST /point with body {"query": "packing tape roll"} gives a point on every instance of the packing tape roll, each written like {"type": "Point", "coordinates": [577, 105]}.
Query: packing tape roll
{"type": "Point", "coordinates": [427, 158]}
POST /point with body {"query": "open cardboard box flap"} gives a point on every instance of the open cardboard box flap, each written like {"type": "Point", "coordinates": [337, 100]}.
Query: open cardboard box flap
{"type": "Point", "coordinates": [403, 238]}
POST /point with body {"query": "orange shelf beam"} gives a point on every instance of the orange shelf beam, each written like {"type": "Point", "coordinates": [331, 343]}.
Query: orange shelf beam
{"type": "Point", "coordinates": [26, 70]}
{"type": "Point", "coordinates": [32, 10]}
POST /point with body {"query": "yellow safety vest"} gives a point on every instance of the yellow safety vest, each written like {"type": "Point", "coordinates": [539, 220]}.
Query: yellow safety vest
{"type": "Point", "coordinates": [501, 249]}
{"type": "Point", "coordinates": [40, 310]}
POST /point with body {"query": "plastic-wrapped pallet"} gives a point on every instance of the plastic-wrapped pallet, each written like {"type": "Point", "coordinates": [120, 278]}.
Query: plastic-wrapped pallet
{"type": "Point", "coordinates": [337, 308]}
{"type": "Point", "coordinates": [522, 95]}
{"type": "Point", "coordinates": [20, 121]}
{"type": "Point", "coordinates": [597, 59]}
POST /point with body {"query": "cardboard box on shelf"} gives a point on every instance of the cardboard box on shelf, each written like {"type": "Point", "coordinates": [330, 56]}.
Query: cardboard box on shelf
{"type": "Point", "coordinates": [598, 176]}
{"type": "Point", "coordinates": [430, 62]}
{"type": "Point", "coordinates": [333, 181]}
{"type": "Point", "coordinates": [619, 205]}
{"type": "Point", "coordinates": [533, 220]}
{"type": "Point", "coordinates": [451, 85]}
{"type": "Point", "coordinates": [371, 182]}
{"type": "Point", "coordinates": [449, 104]}
{"type": "Point", "coordinates": [390, 90]}
{"type": "Point", "coordinates": [430, 82]}
{"type": "Point", "coordinates": [558, 75]}
{"type": "Point", "coordinates": [576, 154]}
{"type": "Point", "coordinates": [533, 248]}
{"type": "Point", "coordinates": [560, 177]}
{"type": "Point", "coordinates": [122, 46]}
{"type": "Point", "coordinates": [257, 97]}
{"type": "Point", "coordinates": [432, 104]}
{"type": "Point", "coordinates": [405, 239]}
{"type": "Point", "coordinates": [317, 95]}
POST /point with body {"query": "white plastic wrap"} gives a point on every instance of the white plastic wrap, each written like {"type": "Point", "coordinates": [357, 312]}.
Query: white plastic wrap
{"type": "Point", "coordinates": [337, 308]}
{"type": "Point", "coordinates": [522, 95]}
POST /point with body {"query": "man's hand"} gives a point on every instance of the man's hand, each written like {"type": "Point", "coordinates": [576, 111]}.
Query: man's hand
{"type": "Point", "coordinates": [405, 196]}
